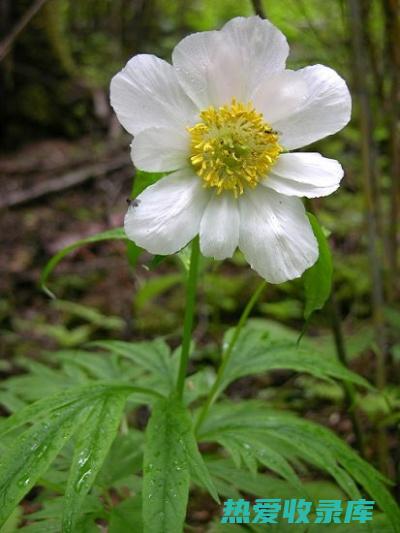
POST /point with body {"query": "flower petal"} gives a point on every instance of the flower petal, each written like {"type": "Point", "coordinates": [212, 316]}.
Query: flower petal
{"type": "Point", "coordinates": [324, 110]}
{"type": "Point", "coordinates": [275, 235]}
{"type": "Point", "coordinates": [215, 66]}
{"type": "Point", "coordinates": [279, 95]}
{"type": "Point", "coordinates": [166, 216]}
{"type": "Point", "coordinates": [147, 93]}
{"type": "Point", "coordinates": [304, 174]}
{"type": "Point", "coordinates": [260, 47]}
{"type": "Point", "coordinates": [219, 227]}
{"type": "Point", "coordinates": [161, 149]}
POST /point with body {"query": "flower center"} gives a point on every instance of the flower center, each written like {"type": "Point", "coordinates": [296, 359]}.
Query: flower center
{"type": "Point", "coordinates": [233, 147]}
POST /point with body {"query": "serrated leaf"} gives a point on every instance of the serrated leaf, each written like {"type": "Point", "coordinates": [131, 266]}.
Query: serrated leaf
{"type": "Point", "coordinates": [316, 453]}
{"type": "Point", "coordinates": [318, 279]}
{"type": "Point", "coordinates": [116, 233]}
{"type": "Point", "coordinates": [254, 444]}
{"type": "Point", "coordinates": [253, 419]}
{"type": "Point", "coordinates": [170, 453]}
{"type": "Point", "coordinates": [154, 357]}
{"type": "Point", "coordinates": [239, 452]}
{"type": "Point", "coordinates": [94, 365]}
{"type": "Point", "coordinates": [54, 421]}
{"type": "Point", "coordinates": [254, 353]}
{"type": "Point", "coordinates": [165, 470]}
{"type": "Point", "coordinates": [257, 484]}
{"type": "Point", "coordinates": [197, 467]}
{"type": "Point", "coordinates": [314, 443]}
{"type": "Point", "coordinates": [96, 435]}
{"type": "Point", "coordinates": [32, 453]}
{"type": "Point", "coordinates": [42, 408]}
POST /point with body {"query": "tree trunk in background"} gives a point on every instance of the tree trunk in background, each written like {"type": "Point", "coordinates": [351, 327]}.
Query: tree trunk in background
{"type": "Point", "coordinates": [258, 8]}
{"type": "Point", "coordinates": [5, 27]}
{"type": "Point", "coordinates": [144, 25]}
{"type": "Point", "coordinates": [361, 91]}
{"type": "Point", "coordinates": [392, 20]}
{"type": "Point", "coordinates": [373, 78]}
{"type": "Point", "coordinates": [7, 43]}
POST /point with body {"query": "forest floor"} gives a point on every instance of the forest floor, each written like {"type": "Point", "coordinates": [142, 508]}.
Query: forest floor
{"type": "Point", "coordinates": [35, 228]}
{"type": "Point", "coordinates": [49, 213]}
{"type": "Point", "coordinates": [55, 193]}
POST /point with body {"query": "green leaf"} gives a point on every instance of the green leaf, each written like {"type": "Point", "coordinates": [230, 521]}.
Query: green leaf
{"type": "Point", "coordinates": [31, 454]}
{"type": "Point", "coordinates": [252, 418]}
{"type": "Point", "coordinates": [198, 385]}
{"type": "Point", "coordinates": [170, 453]}
{"type": "Point", "coordinates": [184, 257]}
{"type": "Point", "coordinates": [165, 469]}
{"type": "Point", "coordinates": [47, 519]}
{"type": "Point", "coordinates": [314, 443]}
{"type": "Point", "coordinates": [156, 261]}
{"type": "Point", "coordinates": [123, 460]}
{"type": "Point", "coordinates": [217, 527]}
{"type": "Point", "coordinates": [46, 406]}
{"type": "Point", "coordinates": [254, 445]}
{"type": "Point", "coordinates": [155, 287]}
{"type": "Point", "coordinates": [11, 524]}
{"type": "Point", "coordinates": [257, 484]}
{"type": "Point", "coordinates": [318, 279]}
{"type": "Point", "coordinates": [197, 467]}
{"type": "Point", "coordinates": [254, 353]}
{"type": "Point", "coordinates": [44, 526]}
{"type": "Point", "coordinates": [89, 314]}
{"type": "Point", "coordinates": [133, 252]}
{"type": "Point", "coordinates": [143, 179]}
{"type": "Point", "coordinates": [41, 408]}
{"type": "Point", "coordinates": [54, 421]}
{"type": "Point", "coordinates": [116, 233]}
{"type": "Point", "coordinates": [153, 357]}
{"type": "Point", "coordinates": [51, 508]}
{"type": "Point", "coordinates": [92, 365]}
{"type": "Point", "coordinates": [361, 471]}
{"type": "Point", "coordinates": [125, 515]}
{"type": "Point", "coordinates": [96, 435]}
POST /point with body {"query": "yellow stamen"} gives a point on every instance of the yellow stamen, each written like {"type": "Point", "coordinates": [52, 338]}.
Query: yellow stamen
{"type": "Point", "coordinates": [233, 147]}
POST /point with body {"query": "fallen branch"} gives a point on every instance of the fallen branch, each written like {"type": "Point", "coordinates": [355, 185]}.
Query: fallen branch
{"type": "Point", "coordinates": [7, 43]}
{"type": "Point", "coordinates": [64, 181]}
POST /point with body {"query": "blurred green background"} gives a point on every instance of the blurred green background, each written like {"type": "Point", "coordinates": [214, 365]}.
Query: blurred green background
{"type": "Point", "coordinates": [66, 174]}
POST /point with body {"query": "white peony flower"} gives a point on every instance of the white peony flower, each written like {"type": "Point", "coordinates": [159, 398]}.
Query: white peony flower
{"type": "Point", "coordinates": [221, 119]}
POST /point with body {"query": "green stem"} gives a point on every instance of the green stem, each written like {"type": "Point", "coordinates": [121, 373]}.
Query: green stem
{"type": "Point", "coordinates": [215, 390]}
{"type": "Point", "coordinates": [258, 8]}
{"type": "Point", "coordinates": [189, 314]}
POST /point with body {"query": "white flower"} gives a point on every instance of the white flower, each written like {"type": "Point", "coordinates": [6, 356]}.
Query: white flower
{"type": "Point", "coordinates": [221, 119]}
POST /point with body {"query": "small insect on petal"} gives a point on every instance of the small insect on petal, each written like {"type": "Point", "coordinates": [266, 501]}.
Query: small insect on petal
{"type": "Point", "coordinates": [133, 202]}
